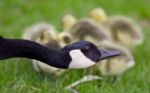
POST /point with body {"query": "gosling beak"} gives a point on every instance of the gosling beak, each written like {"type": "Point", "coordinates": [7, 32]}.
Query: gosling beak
{"type": "Point", "coordinates": [108, 53]}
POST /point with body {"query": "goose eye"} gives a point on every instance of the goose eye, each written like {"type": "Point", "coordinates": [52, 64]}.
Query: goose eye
{"type": "Point", "coordinates": [87, 47]}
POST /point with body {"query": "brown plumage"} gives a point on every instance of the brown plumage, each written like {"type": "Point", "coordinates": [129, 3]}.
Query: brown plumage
{"type": "Point", "coordinates": [87, 29]}
{"type": "Point", "coordinates": [122, 29]}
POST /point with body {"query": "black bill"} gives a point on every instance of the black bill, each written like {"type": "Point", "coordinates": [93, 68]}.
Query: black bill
{"type": "Point", "coordinates": [108, 53]}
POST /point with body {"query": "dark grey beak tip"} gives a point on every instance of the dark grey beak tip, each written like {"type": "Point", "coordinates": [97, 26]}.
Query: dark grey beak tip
{"type": "Point", "coordinates": [108, 53]}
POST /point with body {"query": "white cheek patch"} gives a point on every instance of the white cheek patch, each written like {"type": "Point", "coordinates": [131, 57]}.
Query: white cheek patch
{"type": "Point", "coordinates": [79, 60]}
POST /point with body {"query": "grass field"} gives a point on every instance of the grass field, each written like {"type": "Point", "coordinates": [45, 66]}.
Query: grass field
{"type": "Point", "coordinates": [18, 75]}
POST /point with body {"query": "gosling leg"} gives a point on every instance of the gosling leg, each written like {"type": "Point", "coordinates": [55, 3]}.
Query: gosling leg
{"type": "Point", "coordinates": [114, 78]}
{"type": "Point", "coordinates": [86, 78]}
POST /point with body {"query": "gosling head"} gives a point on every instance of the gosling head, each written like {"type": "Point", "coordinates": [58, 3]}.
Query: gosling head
{"type": "Point", "coordinates": [98, 15]}
{"type": "Point", "coordinates": [64, 38]}
{"type": "Point", "coordinates": [67, 21]}
{"type": "Point", "coordinates": [84, 54]}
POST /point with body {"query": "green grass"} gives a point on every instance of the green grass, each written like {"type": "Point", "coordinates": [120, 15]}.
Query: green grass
{"type": "Point", "coordinates": [18, 75]}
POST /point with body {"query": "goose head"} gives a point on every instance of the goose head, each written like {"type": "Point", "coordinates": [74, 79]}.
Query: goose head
{"type": "Point", "coordinates": [81, 54]}
{"type": "Point", "coordinates": [84, 54]}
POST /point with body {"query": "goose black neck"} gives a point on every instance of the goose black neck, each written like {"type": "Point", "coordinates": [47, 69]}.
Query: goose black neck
{"type": "Point", "coordinates": [10, 48]}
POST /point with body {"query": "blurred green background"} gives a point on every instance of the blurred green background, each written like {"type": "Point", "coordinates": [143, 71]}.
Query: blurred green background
{"type": "Point", "coordinates": [18, 75]}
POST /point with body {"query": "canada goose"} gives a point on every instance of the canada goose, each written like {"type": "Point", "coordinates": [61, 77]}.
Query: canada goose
{"type": "Point", "coordinates": [118, 65]}
{"type": "Point", "coordinates": [77, 55]}
{"type": "Point", "coordinates": [87, 29]}
{"type": "Point", "coordinates": [67, 21]}
{"type": "Point", "coordinates": [122, 29]}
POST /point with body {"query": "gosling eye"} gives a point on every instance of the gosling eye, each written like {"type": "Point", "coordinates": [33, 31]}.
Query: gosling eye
{"type": "Point", "coordinates": [66, 39]}
{"type": "Point", "coordinates": [87, 47]}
